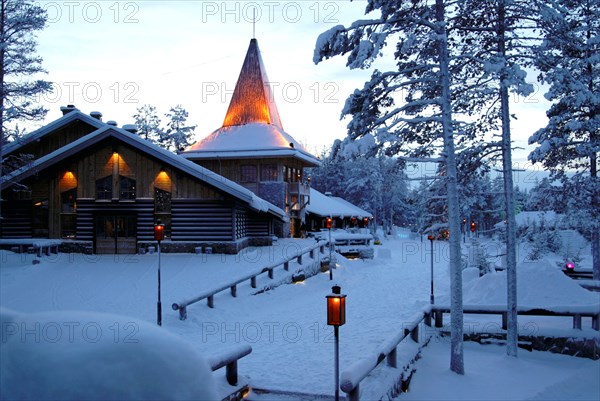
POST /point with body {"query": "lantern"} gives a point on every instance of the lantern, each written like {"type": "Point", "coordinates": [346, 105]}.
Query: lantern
{"type": "Point", "coordinates": [570, 266]}
{"type": "Point", "coordinates": [328, 222]}
{"type": "Point", "coordinates": [430, 237]}
{"type": "Point", "coordinates": [336, 307]}
{"type": "Point", "coordinates": [473, 226]}
{"type": "Point", "coordinates": [366, 221]}
{"type": "Point", "coordinates": [159, 231]}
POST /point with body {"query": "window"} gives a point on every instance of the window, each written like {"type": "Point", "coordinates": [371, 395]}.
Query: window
{"type": "Point", "coordinates": [104, 188]}
{"type": "Point", "coordinates": [127, 188]}
{"type": "Point", "coordinates": [268, 172]}
{"type": "Point", "coordinates": [248, 173]}
{"type": "Point", "coordinates": [40, 219]}
{"type": "Point", "coordinates": [68, 201]}
{"type": "Point", "coordinates": [162, 201]}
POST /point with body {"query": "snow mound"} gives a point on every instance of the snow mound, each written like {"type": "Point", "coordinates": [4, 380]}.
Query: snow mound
{"type": "Point", "coordinates": [92, 356]}
{"type": "Point", "coordinates": [539, 284]}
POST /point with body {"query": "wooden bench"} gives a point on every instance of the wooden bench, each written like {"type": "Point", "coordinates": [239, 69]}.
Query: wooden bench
{"type": "Point", "coordinates": [38, 246]}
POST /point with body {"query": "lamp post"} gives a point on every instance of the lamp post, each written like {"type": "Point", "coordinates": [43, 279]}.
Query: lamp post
{"type": "Point", "coordinates": [336, 317]}
{"type": "Point", "coordinates": [473, 228]}
{"type": "Point", "coordinates": [328, 224]}
{"type": "Point", "coordinates": [159, 235]}
{"type": "Point", "coordinates": [431, 297]}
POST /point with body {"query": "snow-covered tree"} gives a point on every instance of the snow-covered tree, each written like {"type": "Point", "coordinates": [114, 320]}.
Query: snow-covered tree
{"type": "Point", "coordinates": [177, 136]}
{"type": "Point", "coordinates": [20, 67]}
{"type": "Point", "coordinates": [148, 123]}
{"type": "Point", "coordinates": [422, 127]}
{"type": "Point", "coordinates": [569, 62]}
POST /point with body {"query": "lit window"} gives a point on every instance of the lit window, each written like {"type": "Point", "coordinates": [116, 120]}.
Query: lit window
{"type": "Point", "coordinates": [68, 201]}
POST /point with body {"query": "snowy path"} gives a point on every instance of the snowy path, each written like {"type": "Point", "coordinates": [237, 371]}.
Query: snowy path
{"type": "Point", "coordinates": [292, 346]}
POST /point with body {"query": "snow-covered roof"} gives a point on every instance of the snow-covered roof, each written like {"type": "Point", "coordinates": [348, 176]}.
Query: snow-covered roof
{"type": "Point", "coordinates": [332, 206]}
{"type": "Point", "coordinates": [33, 136]}
{"type": "Point", "coordinates": [150, 149]}
{"type": "Point", "coordinates": [252, 127]}
{"type": "Point", "coordinates": [527, 218]}
{"type": "Point", "coordinates": [249, 140]}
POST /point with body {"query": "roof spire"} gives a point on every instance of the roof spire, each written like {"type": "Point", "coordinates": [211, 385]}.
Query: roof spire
{"type": "Point", "coordinates": [252, 100]}
{"type": "Point", "coordinates": [254, 23]}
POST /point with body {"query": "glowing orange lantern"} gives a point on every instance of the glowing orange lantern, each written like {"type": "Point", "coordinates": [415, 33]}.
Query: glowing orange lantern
{"type": "Point", "coordinates": [430, 237]}
{"type": "Point", "coordinates": [366, 221]}
{"type": "Point", "coordinates": [159, 231]}
{"type": "Point", "coordinates": [328, 222]}
{"type": "Point", "coordinates": [336, 307]}
{"type": "Point", "coordinates": [473, 226]}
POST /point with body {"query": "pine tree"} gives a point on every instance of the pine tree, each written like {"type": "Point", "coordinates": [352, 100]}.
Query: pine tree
{"type": "Point", "coordinates": [148, 123]}
{"type": "Point", "coordinates": [178, 135]}
{"type": "Point", "coordinates": [19, 20]}
{"type": "Point", "coordinates": [421, 128]}
{"type": "Point", "coordinates": [568, 60]}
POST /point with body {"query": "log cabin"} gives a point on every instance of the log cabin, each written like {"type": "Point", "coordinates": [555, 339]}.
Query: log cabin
{"type": "Point", "coordinates": [100, 189]}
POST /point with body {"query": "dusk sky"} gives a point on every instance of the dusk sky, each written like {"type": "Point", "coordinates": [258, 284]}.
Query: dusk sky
{"type": "Point", "coordinates": [114, 57]}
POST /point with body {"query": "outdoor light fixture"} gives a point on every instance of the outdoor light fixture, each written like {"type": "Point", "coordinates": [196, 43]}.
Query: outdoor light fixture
{"type": "Point", "coordinates": [430, 237]}
{"type": "Point", "coordinates": [159, 235]}
{"type": "Point", "coordinates": [336, 307]}
{"type": "Point", "coordinates": [473, 226]}
{"type": "Point", "coordinates": [328, 224]}
{"type": "Point", "coordinates": [366, 221]}
{"type": "Point", "coordinates": [336, 317]}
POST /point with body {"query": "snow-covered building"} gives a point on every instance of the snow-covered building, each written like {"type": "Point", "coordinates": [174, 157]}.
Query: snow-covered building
{"type": "Point", "coordinates": [101, 188]}
{"type": "Point", "coordinates": [343, 213]}
{"type": "Point", "coordinates": [252, 148]}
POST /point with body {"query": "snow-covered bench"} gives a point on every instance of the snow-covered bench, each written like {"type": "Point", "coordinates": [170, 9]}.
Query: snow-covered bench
{"type": "Point", "coordinates": [39, 246]}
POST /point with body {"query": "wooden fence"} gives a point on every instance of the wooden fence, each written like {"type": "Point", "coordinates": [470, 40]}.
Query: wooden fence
{"type": "Point", "coordinates": [181, 306]}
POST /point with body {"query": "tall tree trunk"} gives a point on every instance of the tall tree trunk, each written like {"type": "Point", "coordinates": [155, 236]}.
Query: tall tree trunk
{"type": "Point", "coordinates": [509, 196]}
{"type": "Point", "coordinates": [2, 69]}
{"type": "Point", "coordinates": [456, 303]}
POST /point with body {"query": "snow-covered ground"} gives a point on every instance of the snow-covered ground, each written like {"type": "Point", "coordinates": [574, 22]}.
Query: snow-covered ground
{"type": "Point", "coordinates": [292, 345]}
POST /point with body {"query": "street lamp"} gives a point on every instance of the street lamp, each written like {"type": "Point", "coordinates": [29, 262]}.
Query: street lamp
{"type": "Point", "coordinates": [336, 317]}
{"type": "Point", "coordinates": [473, 227]}
{"type": "Point", "coordinates": [328, 224]}
{"type": "Point", "coordinates": [159, 235]}
{"type": "Point", "coordinates": [431, 238]}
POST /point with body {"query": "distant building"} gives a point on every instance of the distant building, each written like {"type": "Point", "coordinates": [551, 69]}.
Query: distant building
{"type": "Point", "coordinates": [344, 214]}
{"type": "Point", "coordinates": [252, 149]}
{"type": "Point", "coordinates": [100, 189]}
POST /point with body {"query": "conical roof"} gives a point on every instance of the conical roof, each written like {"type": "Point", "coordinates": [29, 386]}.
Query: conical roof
{"type": "Point", "coordinates": [252, 127]}
{"type": "Point", "coordinates": [252, 100]}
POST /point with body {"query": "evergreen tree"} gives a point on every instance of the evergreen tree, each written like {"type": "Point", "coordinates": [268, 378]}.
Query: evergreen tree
{"type": "Point", "coordinates": [568, 60]}
{"type": "Point", "coordinates": [422, 126]}
{"type": "Point", "coordinates": [148, 123]}
{"type": "Point", "coordinates": [178, 135]}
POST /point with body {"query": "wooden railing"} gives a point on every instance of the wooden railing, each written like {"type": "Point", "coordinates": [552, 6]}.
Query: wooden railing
{"type": "Point", "coordinates": [209, 295]}
{"type": "Point", "coordinates": [577, 312]}
{"type": "Point", "coordinates": [350, 379]}
{"type": "Point", "coordinates": [229, 360]}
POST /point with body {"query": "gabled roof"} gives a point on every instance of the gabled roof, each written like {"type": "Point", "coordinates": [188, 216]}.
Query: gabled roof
{"type": "Point", "coordinates": [150, 149]}
{"type": "Point", "coordinates": [252, 127]}
{"type": "Point", "coordinates": [252, 100]}
{"type": "Point", "coordinates": [333, 206]}
{"type": "Point", "coordinates": [66, 119]}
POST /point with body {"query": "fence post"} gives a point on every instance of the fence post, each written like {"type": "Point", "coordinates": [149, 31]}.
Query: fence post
{"type": "Point", "coordinates": [577, 321]}
{"type": "Point", "coordinates": [392, 359]}
{"type": "Point", "coordinates": [427, 319]}
{"type": "Point", "coordinates": [504, 320]}
{"type": "Point", "coordinates": [210, 301]}
{"type": "Point", "coordinates": [300, 259]}
{"type": "Point", "coordinates": [354, 395]}
{"type": "Point", "coordinates": [286, 266]}
{"type": "Point", "coordinates": [271, 273]}
{"type": "Point", "coordinates": [414, 334]}
{"type": "Point", "coordinates": [439, 318]}
{"type": "Point", "coordinates": [312, 253]}
{"type": "Point", "coordinates": [596, 322]}
{"type": "Point", "coordinates": [234, 290]}
{"type": "Point", "coordinates": [253, 282]}
{"type": "Point", "coordinates": [182, 312]}
{"type": "Point", "coordinates": [231, 372]}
